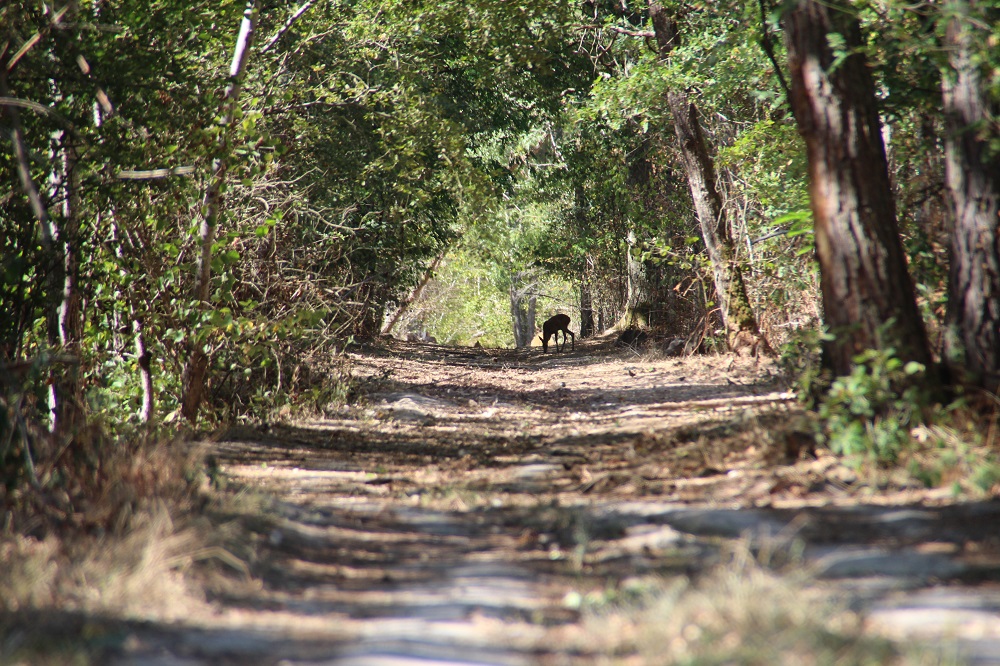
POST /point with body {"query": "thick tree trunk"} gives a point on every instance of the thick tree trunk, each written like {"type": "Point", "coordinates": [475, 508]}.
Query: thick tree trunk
{"type": "Point", "coordinates": [196, 368]}
{"type": "Point", "coordinates": [972, 342]}
{"type": "Point", "coordinates": [742, 331]}
{"type": "Point", "coordinates": [868, 297]}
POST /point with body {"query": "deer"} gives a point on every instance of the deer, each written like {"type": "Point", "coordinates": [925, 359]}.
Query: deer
{"type": "Point", "coordinates": [552, 326]}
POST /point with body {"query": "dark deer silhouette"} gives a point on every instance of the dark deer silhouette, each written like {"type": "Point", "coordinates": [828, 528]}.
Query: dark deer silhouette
{"type": "Point", "coordinates": [559, 322]}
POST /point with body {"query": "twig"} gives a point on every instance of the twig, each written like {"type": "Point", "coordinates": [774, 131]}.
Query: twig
{"type": "Point", "coordinates": [34, 39]}
{"type": "Point", "coordinates": [781, 231]}
{"type": "Point", "coordinates": [40, 108]}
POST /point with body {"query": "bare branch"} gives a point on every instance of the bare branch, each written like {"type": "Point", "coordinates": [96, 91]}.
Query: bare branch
{"type": "Point", "coordinates": [288, 24]}
{"type": "Point", "coordinates": [24, 166]}
{"type": "Point", "coordinates": [34, 39]}
{"type": "Point", "coordinates": [768, 47]}
{"type": "Point", "coordinates": [631, 33]}
{"type": "Point", "coordinates": [780, 231]}
{"type": "Point", "coordinates": [35, 106]}
{"type": "Point", "coordinates": [618, 29]}
{"type": "Point", "coordinates": [155, 173]}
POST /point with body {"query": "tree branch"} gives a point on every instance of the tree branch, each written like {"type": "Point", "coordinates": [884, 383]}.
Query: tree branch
{"type": "Point", "coordinates": [150, 174]}
{"type": "Point", "coordinates": [768, 47]}
{"type": "Point", "coordinates": [288, 24]}
{"type": "Point", "coordinates": [34, 39]}
{"type": "Point", "coordinates": [24, 165]}
{"type": "Point", "coordinates": [780, 231]}
{"type": "Point", "coordinates": [619, 30]}
{"type": "Point", "coordinates": [6, 100]}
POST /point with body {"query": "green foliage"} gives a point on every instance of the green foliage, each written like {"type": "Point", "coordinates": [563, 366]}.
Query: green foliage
{"type": "Point", "coordinates": [771, 164]}
{"type": "Point", "coordinates": [625, 173]}
{"type": "Point", "coordinates": [468, 299]}
{"type": "Point", "coordinates": [466, 303]}
{"type": "Point", "coordinates": [881, 415]}
{"type": "Point", "coordinates": [869, 413]}
{"type": "Point", "coordinates": [800, 358]}
{"type": "Point", "coordinates": [954, 449]}
{"type": "Point", "coordinates": [373, 136]}
{"type": "Point", "coordinates": [353, 157]}
{"type": "Point", "coordinates": [986, 475]}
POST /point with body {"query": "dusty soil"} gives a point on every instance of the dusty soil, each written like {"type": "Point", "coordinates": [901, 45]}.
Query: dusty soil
{"type": "Point", "coordinates": [461, 510]}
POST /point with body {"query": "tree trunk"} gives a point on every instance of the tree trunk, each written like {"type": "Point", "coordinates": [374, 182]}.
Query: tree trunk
{"type": "Point", "coordinates": [587, 273]}
{"type": "Point", "coordinates": [586, 305]}
{"type": "Point", "coordinates": [523, 300]}
{"type": "Point", "coordinates": [639, 300]}
{"type": "Point", "coordinates": [145, 360]}
{"type": "Point", "coordinates": [972, 342]}
{"type": "Point", "coordinates": [63, 319]}
{"type": "Point", "coordinates": [742, 331]}
{"type": "Point", "coordinates": [868, 297]}
{"type": "Point", "coordinates": [196, 368]}
{"type": "Point", "coordinates": [369, 321]}
{"type": "Point", "coordinates": [68, 328]}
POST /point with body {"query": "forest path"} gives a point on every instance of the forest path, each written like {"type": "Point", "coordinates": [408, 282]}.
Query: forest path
{"type": "Point", "coordinates": [476, 499]}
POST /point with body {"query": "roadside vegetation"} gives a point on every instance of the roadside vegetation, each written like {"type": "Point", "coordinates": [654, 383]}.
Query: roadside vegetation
{"type": "Point", "coordinates": [746, 612]}
{"type": "Point", "coordinates": [208, 203]}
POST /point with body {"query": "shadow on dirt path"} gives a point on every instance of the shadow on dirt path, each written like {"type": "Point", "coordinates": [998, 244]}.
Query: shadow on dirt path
{"type": "Point", "coordinates": [457, 514]}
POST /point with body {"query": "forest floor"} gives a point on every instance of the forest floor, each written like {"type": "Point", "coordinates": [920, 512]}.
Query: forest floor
{"type": "Point", "coordinates": [514, 507]}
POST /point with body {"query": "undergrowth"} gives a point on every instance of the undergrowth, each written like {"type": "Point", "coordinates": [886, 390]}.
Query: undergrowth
{"type": "Point", "coordinates": [888, 415]}
{"type": "Point", "coordinates": [744, 611]}
{"type": "Point", "coordinates": [106, 531]}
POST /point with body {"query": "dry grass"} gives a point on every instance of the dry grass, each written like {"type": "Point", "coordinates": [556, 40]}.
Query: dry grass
{"type": "Point", "coordinates": [138, 575]}
{"type": "Point", "coordinates": [111, 535]}
{"type": "Point", "coordinates": [743, 613]}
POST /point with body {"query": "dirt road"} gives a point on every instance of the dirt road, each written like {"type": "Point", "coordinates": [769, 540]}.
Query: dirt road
{"type": "Point", "coordinates": [482, 506]}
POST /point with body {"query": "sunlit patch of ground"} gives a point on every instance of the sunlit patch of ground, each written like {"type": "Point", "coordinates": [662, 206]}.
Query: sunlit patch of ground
{"type": "Point", "coordinates": [500, 506]}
